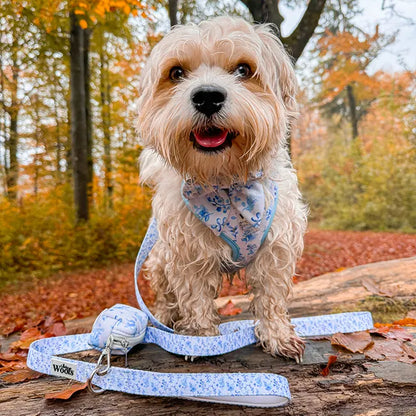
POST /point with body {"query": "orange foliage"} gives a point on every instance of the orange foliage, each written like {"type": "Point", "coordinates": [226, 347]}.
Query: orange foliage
{"type": "Point", "coordinates": [346, 58]}
{"type": "Point", "coordinates": [92, 11]}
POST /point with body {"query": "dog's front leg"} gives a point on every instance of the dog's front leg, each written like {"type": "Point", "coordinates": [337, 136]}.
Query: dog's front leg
{"type": "Point", "coordinates": [271, 283]}
{"type": "Point", "coordinates": [195, 285]}
{"type": "Point", "coordinates": [155, 268]}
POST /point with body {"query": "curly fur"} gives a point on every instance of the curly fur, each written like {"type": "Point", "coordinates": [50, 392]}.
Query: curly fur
{"type": "Point", "coordinates": [185, 264]}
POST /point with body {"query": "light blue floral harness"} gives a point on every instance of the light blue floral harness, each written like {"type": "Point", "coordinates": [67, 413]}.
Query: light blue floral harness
{"type": "Point", "coordinates": [238, 214]}
{"type": "Point", "coordinates": [121, 327]}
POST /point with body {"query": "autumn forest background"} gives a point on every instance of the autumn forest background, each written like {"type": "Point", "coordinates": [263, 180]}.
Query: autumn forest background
{"type": "Point", "coordinates": [69, 71]}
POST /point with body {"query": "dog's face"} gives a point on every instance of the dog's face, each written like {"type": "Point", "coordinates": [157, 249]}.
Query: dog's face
{"type": "Point", "coordinates": [216, 98]}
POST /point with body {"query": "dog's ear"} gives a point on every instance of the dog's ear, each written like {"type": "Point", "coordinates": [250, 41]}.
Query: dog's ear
{"type": "Point", "coordinates": [280, 67]}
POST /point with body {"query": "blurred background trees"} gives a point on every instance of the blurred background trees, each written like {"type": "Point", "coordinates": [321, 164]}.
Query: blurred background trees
{"type": "Point", "coordinates": [69, 71]}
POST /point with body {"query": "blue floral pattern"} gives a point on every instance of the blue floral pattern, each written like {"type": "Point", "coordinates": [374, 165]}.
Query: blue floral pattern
{"type": "Point", "coordinates": [238, 214]}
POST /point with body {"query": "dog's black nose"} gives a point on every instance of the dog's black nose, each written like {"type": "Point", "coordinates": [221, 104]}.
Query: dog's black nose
{"type": "Point", "coordinates": [208, 99]}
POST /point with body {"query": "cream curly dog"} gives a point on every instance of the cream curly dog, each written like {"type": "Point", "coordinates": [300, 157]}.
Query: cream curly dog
{"type": "Point", "coordinates": [216, 102]}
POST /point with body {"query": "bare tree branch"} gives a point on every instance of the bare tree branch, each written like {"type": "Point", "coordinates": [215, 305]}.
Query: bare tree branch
{"type": "Point", "coordinates": [297, 41]}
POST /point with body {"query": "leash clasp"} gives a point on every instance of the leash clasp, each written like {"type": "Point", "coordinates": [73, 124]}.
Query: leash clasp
{"type": "Point", "coordinates": [101, 369]}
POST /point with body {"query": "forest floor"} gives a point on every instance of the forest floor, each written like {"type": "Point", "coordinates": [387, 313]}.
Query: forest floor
{"type": "Point", "coordinates": [73, 295]}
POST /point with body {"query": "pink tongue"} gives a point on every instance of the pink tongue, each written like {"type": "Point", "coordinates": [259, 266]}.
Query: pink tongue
{"type": "Point", "coordinates": [207, 140]}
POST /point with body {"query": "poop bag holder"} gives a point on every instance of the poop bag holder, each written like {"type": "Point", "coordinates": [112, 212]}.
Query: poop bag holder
{"type": "Point", "coordinates": [125, 324]}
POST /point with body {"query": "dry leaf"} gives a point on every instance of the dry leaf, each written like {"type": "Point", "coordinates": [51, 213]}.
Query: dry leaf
{"type": "Point", "coordinates": [83, 23]}
{"type": "Point", "coordinates": [405, 322]}
{"type": "Point", "coordinates": [10, 356]}
{"type": "Point", "coordinates": [229, 309]}
{"type": "Point", "coordinates": [392, 332]}
{"type": "Point", "coordinates": [67, 393]}
{"type": "Point", "coordinates": [8, 366]}
{"type": "Point", "coordinates": [391, 350]}
{"type": "Point", "coordinates": [331, 360]}
{"type": "Point", "coordinates": [21, 375]}
{"type": "Point", "coordinates": [375, 289]}
{"type": "Point", "coordinates": [355, 342]}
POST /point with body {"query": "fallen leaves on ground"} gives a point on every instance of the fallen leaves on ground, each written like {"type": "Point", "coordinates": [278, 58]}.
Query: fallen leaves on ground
{"type": "Point", "coordinates": [19, 376]}
{"type": "Point", "coordinates": [327, 251]}
{"type": "Point", "coordinates": [391, 350]}
{"type": "Point", "coordinates": [14, 360]}
{"type": "Point", "coordinates": [229, 309]}
{"type": "Point", "coordinates": [355, 342]}
{"type": "Point", "coordinates": [392, 332]}
{"type": "Point", "coordinates": [67, 393]}
{"type": "Point", "coordinates": [401, 322]}
{"type": "Point", "coordinates": [331, 360]}
{"type": "Point", "coordinates": [391, 346]}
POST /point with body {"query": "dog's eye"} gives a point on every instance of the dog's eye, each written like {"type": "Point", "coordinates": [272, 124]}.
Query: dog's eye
{"type": "Point", "coordinates": [176, 73]}
{"type": "Point", "coordinates": [242, 71]}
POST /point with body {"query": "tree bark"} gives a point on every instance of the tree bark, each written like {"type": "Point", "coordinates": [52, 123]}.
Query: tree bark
{"type": "Point", "coordinates": [298, 39]}
{"type": "Point", "coordinates": [58, 136]}
{"type": "Point", "coordinates": [105, 116]}
{"type": "Point", "coordinates": [37, 142]}
{"type": "Point", "coordinates": [353, 111]}
{"type": "Point", "coordinates": [79, 129]}
{"type": "Point", "coordinates": [88, 115]}
{"type": "Point", "coordinates": [12, 143]}
{"type": "Point", "coordinates": [12, 175]}
{"type": "Point", "coordinates": [267, 11]}
{"type": "Point", "coordinates": [173, 12]}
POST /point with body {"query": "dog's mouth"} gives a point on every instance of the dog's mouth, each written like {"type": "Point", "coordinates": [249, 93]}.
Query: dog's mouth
{"type": "Point", "coordinates": [212, 139]}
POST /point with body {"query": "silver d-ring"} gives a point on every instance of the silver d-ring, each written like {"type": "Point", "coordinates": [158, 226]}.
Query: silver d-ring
{"type": "Point", "coordinates": [90, 386]}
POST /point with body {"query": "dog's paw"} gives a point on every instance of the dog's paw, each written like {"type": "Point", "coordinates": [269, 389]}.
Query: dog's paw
{"type": "Point", "coordinates": [281, 341]}
{"type": "Point", "coordinates": [293, 348]}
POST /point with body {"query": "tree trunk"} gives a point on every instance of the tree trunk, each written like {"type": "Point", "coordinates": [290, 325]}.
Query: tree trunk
{"type": "Point", "coordinates": [267, 11]}
{"type": "Point", "coordinates": [3, 163]}
{"type": "Point", "coordinates": [173, 12]}
{"type": "Point", "coordinates": [105, 115]}
{"type": "Point", "coordinates": [79, 129]}
{"type": "Point", "coordinates": [299, 38]}
{"type": "Point", "coordinates": [68, 144]}
{"type": "Point", "coordinates": [58, 138]}
{"type": "Point", "coordinates": [13, 170]}
{"type": "Point", "coordinates": [353, 111]}
{"type": "Point", "coordinates": [12, 143]}
{"type": "Point", "coordinates": [37, 142]}
{"type": "Point", "coordinates": [87, 76]}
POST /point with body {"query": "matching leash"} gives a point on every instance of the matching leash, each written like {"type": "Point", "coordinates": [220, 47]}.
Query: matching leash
{"type": "Point", "coordinates": [118, 329]}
